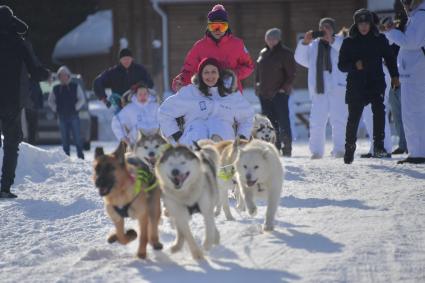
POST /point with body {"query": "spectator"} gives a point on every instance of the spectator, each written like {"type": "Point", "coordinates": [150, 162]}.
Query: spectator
{"type": "Point", "coordinates": [218, 43]}
{"type": "Point", "coordinates": [16, 62]}
{"type": "Point", "coordinates": [361, 57]}
{"type": "Point", "coordinates": [326, 85]}
{"type": "Point", "coordinates": [139, 114]}
{"type": "Point", "coordinates": [120, 78]}
{"type": "Point", "coordinates": [67, 99]}
{"type": "Point", "coordinates": [367, 116]}
{"type": "Point", "coordinates": [210, 107]}
{"type": "Point", "coordinates": [411, 61]}
{"type": "Point", "coordinates": [274, 77]}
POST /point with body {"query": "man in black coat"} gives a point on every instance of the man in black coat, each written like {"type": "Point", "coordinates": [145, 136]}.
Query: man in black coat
{"type": "Point", "coordinates": [120, 78]}
{"type": "Point", "coordinates": [17, 61]}
{"type": "Point", "coordinates": [361, 57]}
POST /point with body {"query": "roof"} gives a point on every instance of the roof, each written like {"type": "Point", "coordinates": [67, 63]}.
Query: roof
{"type": "Point", "coordinates": [94, 36]}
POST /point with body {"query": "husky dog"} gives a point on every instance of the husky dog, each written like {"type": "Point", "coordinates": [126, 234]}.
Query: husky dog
{"type": "Point", "coordinates": [260, 175]}
{"type": "Point", "coordinates": [263, 129]}
{"type": "Point", "coordinates": [149, 146]}
{"type": "Point", "coordinates": [129, 189]}
{"type": "Point", "coordinates": [188, 182]}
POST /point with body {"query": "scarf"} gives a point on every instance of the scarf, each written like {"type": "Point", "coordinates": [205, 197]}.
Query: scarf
{"type": "Point", "coordinates": [323, 64]}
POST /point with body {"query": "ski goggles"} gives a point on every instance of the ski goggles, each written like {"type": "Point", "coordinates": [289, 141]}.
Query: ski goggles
{"type": "Point", "coordinates": [218, 26]}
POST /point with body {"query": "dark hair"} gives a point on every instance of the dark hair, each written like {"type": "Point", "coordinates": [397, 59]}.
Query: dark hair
{"type": "Point", "coordinates": [204, 88]}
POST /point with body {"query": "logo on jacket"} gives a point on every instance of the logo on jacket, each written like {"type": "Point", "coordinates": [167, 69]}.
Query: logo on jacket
{"type": "Point", "coordinates": [202, 105]}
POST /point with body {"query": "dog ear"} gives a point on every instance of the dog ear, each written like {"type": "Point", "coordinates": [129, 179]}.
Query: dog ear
{"type": "Point", "coordinates": [119, 153]}
{"type": "Point", "coordinates": [197, 146]}
{"type": "Point", "coordinates": [140, 134]}
{"type": "Point", "coordinates": [236, 142]}
{"type": "Point", "coordinates": [251, 138]}
{"type": "Point", "coordinates": [98, 152]}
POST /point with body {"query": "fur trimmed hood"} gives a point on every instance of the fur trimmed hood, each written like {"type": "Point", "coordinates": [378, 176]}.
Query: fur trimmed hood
{"type": "Point", "coordinates": [228, 76]}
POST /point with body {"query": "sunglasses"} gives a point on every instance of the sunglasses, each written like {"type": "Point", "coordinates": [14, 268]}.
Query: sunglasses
{"type": "Point", "coordinates": [218, 26]}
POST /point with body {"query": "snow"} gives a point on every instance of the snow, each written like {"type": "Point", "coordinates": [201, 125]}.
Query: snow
{"type": "Point", "coordinates": [92, 37]}
{"type": "Point", "coordinates": [336, 223]}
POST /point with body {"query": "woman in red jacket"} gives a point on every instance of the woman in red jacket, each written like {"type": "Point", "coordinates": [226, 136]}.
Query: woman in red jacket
{"type": "Point", "coordinates": [218, 43]}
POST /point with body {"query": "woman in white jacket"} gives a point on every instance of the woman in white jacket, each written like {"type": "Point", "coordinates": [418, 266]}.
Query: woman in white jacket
{"type": "Point", "coordinates": [411, 66]}
{"type": "Point", "coordinates": [140, 113]}
{"type": "Point", "coordinates": [208, 107]}
{"type": "Point", "coordinates": [326, 86]}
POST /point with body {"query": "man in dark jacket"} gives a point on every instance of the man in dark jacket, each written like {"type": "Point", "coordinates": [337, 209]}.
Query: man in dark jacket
{"type": "Point", "coordinates": [16, 59]}
{"type": "Point", "coordinates": [361, 57]}
{"type": "Point", "coordinates": [120, 78]}
{"type": "Point", "coordinates": [274, 77]}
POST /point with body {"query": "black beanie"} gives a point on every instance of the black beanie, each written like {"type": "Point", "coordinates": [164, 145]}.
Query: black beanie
{"type": "Point", "coordinates": [125, 52]}
{"type": "Point", "coordinates": [362, 16]}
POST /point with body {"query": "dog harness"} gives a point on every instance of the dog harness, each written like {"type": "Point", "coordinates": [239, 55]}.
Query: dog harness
{"type": "Point", "coordinates": [193, 209]}
{"type": "Point", "coordinates": [226, 175]}
{"type": "Point", "coordinates": [144, 176]}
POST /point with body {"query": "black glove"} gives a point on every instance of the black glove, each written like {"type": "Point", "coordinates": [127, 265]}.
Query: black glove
{"type": "Point", "coordinates": [107, 102]}
{"type": "Point", "coordinates": [177, 135]}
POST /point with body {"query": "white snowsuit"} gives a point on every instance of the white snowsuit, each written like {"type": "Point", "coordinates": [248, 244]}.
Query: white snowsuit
{"type": "Point", "coordinates": [136, 116]}
{"type": "Point", "coordinates": [368, 117]}
{"type": "Point", "coordinates": [205, 116]}
{"type": "Point", "coordinates": [330, 105]}
{"type": "Point", "coordinates": [411, 66]}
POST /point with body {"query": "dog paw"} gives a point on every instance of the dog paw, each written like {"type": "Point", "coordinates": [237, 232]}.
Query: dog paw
{"type": "Point", "coordinates": [141, 255]}
{"type": "Point", "coordinates": [252, 211]}
{"type": "Point", "coordinates": [112, 238]}
{"type": "Point", "coordinates": [157, 246]}
{"type": "Point", "coordinates": [131, 235]}
{"type": "Point", "coordinates": [268, 227]}
{"type": "Point", "coordinates": [176, 248]}
{"type": "Point", "coordinates": [197, 254]}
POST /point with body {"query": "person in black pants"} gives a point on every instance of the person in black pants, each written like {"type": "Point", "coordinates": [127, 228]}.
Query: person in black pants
{"type": "Point", "coordinates": [275, 74]}
{"type": "Point", "coordinates": [361, 57]}
{"type": "Point", "coordinates": [16, 57]}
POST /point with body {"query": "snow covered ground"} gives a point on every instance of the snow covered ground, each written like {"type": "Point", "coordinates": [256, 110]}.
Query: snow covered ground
{"type": "Point", "coordinates": [336, 223]}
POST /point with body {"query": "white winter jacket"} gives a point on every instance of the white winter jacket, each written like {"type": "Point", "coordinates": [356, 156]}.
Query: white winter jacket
{"type": "Point", "coordinates": [214, 114]}
{"type": "Point", "coordinates": [306, 56]}
{"type": "Point", "coordinates": [136, 116]}
{"type": "Point", "coordinates": [411, 59]}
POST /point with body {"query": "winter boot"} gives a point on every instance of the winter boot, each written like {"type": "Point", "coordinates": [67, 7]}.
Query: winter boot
{"type": "Point", "coordinates": [349, 153]}
{"type": "Point", "coordinates": [412, 160]}
{"type": "Point", "coordinates": [366, 155]}
{"type": "Point", "coordinates": [380, 152]}
{"type": "Point", "coordinates": [4, 193]}
{"type": "Point", "coordinates": [399, 151]}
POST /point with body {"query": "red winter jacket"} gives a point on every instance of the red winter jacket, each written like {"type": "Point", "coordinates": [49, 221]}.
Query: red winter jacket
{"type": "Point", "coordinates": [230, 51]}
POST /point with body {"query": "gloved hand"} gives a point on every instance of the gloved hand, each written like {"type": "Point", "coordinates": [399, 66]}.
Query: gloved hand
{"type": "Point", "coordinates": [395, 83]}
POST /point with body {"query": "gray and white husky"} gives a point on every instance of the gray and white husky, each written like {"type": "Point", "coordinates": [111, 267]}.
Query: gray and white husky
{"type": "Point", "coordinates": [149, 146]}
{"type": "Point", "coordinates": [263, 129]}
{"type": "Point", "coordinates": [260, 175]}
{"type": "Point", "coordinates": [189, 185]}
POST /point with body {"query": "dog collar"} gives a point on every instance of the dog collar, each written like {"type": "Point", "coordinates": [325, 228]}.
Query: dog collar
{"type": "Point", "coordinates": [193, 209]}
